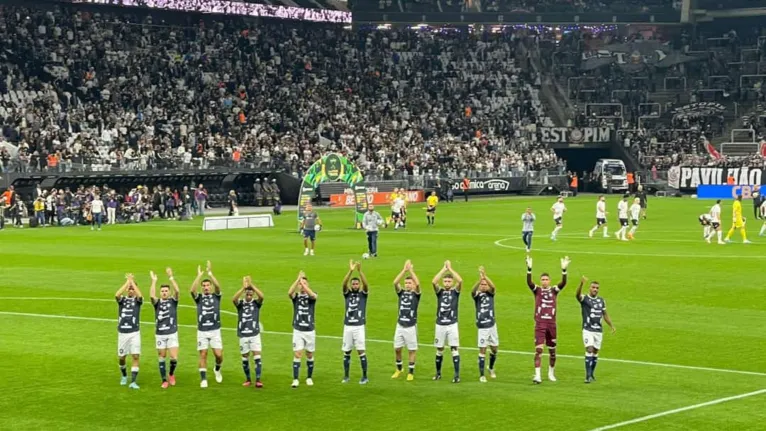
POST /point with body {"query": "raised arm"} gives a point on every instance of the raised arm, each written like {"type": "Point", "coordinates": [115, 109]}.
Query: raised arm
{"type": "Point", "coordinates": [195, 283]}
{"type": "Point", "coordinates": [241, 290]}
{"type": "Point", "coordinates": [400, 277]}
{"type": "Point", "coordinates": [438, 277]}
{"type": "Point", "coordinates": [176, 289]}
{"type": "Point", "coordinates": [415, 279]}
{"type": "Point", "coordinates": [564, 265]}
{"type": "Point", "coordinates": [153, 288]}
{"type": "Point", "coordinates": [362, 278]}
{"type": "Point", "coordinates": [489, 281]}
{"type": "Point", "coordinates": [351, 267]}
{"type": "Point", "coordinates": [139, 295]}
{"type": "Point", "coordinates": [296, 284]}
{"type": "Point", "coordinates": [309, 292]}
{"type": "Point", "coordinates": [122, 288]}
{"type": "Point", "coordinates": [530, 283]}
{"type": "Point", "coordinates": [578, 293]}
{"type": "Point", "coordinates": [214, 280]}
{"type": "Point", "coordinates": [258, 293]}
{"type": "Point", "coordinates": [455, 275]}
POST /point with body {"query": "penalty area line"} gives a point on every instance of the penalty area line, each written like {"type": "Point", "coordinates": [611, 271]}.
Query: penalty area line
{"type": "Point", "coordinates": [680, 410]}
{"type": "Point", "coordinates": [377, 341]}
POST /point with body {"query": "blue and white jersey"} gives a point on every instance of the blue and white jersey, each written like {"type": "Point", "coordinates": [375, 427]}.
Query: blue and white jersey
{"type": "Point", "coordinates": [129, 317]}
{"type": "Point", "coordinates": [208, 311]}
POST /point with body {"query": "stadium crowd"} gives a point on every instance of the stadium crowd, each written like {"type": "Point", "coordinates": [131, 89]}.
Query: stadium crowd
{"type": "Point", "coordinates": [104, 91]}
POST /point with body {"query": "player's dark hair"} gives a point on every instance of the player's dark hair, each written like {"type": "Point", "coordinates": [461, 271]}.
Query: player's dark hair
{"type": "Point", "coordinates": [718, 201]}
{"type": "Point", "coordinates": [409, 277]}
{"type": "Point", "coordinates": [595, 282]}
{"type": "Point", "coordinates": [448, 275]}
{"type": "Point", "coordinates": [249, 289]}
{"type": "Point", "coordinates": [545, 274]}
{"type": "Point", "coordinates": [355, 279]}
{"type": "Point", "coordinates": [305, 278]}
{"type": "Point", "coordinates": [207, 280]}
{"type": "Point", "coordinates": [164, 286]}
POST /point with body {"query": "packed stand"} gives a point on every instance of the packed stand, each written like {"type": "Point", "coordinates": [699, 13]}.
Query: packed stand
{"type": "Point", "coordinates": [103, 92]}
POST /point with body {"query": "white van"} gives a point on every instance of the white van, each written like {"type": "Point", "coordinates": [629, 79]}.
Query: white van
{"type": "Point", "coordinates": [614, 169]}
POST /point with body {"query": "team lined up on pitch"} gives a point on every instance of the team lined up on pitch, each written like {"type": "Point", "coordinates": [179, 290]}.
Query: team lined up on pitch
{"type": "Point", "coordinates": [447, 285]}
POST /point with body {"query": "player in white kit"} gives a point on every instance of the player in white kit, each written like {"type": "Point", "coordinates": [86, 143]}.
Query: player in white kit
{"type": "Point", "coordinates": [397, 206]}
{"type": "Point", "coordinates": [714, 223]}
{"type": "Point", "coordinates": [622, 215]}
{"type": "Point", "coordinates": [600, 217]}
{"type": "Point", "coordinates": [558, 209]}
{"type": "Point", "coordinates": [635, 215]}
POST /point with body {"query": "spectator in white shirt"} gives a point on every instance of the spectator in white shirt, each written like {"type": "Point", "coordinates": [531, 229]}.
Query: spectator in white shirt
{"type": "Point", "coordinates": [96, 211]}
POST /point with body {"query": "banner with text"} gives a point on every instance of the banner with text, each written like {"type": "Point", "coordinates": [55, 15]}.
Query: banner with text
{"type": "Point", "coordinates": [688, 178]}
{"type": "Point", "coordinates": [348, 199]}
{"type": "Point", "coordinates": [725, 192]}
{"type": "Point", "coordinates": [576, 136]}
{"type": "Point", "coordinates": [485, 186]}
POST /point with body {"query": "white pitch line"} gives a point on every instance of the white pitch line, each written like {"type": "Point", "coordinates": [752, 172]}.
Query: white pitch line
{"type": "Point", "coordinates": [680, 410]}
{"type": "Point", "coordinates": [499, 243]}
{"type": "Point", "coordinates": [333, 337]}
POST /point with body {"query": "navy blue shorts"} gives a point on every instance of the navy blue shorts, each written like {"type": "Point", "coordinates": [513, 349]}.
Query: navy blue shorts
{"type": "Point", "coordinates": [310, 234]}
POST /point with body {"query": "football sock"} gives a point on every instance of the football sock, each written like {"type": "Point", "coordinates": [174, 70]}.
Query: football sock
{"type": "Point", "coordinates": [163, 370]}
{"type": "Point", "coordinates": [556, 230]}
{"type": "Point", "coordinates": [411, 368]}
{"type": "Point", "coordinates": [438, 362]}
{"type": "Point", "coordinates": [346, 364]}
{"type": "Point", "coordinates": [492, 359]}
{"type": "Point", "coordinates": [246, 368]}
{"type": "Point", "coordinates": [124, 371]}
{"type": "Point", "coordinates": [588, 361]}
{"type": "Point", "coordinates": [606, 232]}
{"type": "Point", "coordinates": [538, 354]}
{"type": "Point", "coordinates": [296, 368]}
{"type": "Point", "coordinates": [173, 365]}
{"type": "Point", "coordinates": [481, 364]}
{"type": "Point", "coordinates": [632, 230]}
{"type": "Point", "coordinates": [456, 362]}
{"type": "Point", "coordinates": [730, 233]}
{"type": "Point", "coordinates": [743, 233]}
{"type": "Point", "coordinates": [217, 365]}
{"type": "Point", "coordinates": [309, 368]}
{"type": "Point", "coordinates": [593, 362]}
{"type": "Point", "coordinates": [133, 374]}
{"type": "Point", "coordinates": [363, 360]}
{"type": "Point", "coordinates": [203, 374]}
{"type": "Point", "coordinates": [258, 367]}
{"type": "Point", "coordinates": [399, 365]}
{"type": "Point", "coordinates": [720, 234]}
{"type": "Point", "coordinates": [552, 357]}
{"type": "Point", "coordinates": [763, 229]}
{"type": "Point", "coordinates": [706, 231]}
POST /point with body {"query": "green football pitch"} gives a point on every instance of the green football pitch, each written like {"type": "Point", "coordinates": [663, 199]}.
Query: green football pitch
{"type": "Point", "coordinates": [689, 352]}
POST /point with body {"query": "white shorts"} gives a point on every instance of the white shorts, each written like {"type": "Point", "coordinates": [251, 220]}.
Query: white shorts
{"type": "Point", "coordinates": [488, 337]}
{"type": "Point", "coordinates": [406, 337]}
{"type": "Point", "coordinates": [592, 339]}
{"type": "Point", "coordinates": [169, 341]}
{"type": "Point", "coordinates": [250, 344]}
{"type": "Point", "coordinates": [209, 340]}
{"type": "Point", "coordinates": [129, 344]}
{"type": "Point", "coordinates": [447, 335]}
{"type": "Point", "coordinates": [353, 338]}
{"type": "Point", "coordinates": [304, 340]}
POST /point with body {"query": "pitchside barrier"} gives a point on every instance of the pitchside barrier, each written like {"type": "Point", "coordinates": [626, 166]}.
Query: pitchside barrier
{"type": "Point", "coordinates": [238, 222]}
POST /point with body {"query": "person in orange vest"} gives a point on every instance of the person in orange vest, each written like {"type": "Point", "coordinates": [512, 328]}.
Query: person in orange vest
{"type": "Point", "coordinates": [730, 180]}
{"type": "Point", "coordinates": [573, 184]}
{"type": "Point", "coordinates": [464, 186]}
{"type": "Point", "coordinates": [631, 181]}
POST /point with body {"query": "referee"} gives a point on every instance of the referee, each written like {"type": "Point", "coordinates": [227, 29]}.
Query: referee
{"type": "Point", "coordinates": [371, 221]}
{"type": "Point", "coordinates": [528, 227]}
